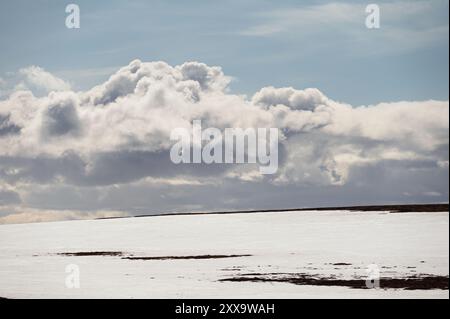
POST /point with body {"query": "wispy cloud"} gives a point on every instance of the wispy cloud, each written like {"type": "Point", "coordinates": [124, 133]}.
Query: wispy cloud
{"type": "Point", "coordinates": [405, 25]}
{"type": "Point", "coordinates": [30, 215]}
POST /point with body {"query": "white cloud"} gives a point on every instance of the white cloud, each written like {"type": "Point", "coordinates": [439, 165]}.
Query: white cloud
{"type": "Point", "coordinates": [118, 133]}
{"type": "Point", "coordinates": [308, 99]}
{"type": "Point", "coordinates": [136, 109]}
{"type": "Point", "coordinates": [37, 77]}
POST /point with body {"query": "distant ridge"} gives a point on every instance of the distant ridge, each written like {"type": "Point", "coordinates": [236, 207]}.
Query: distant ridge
{"type": "Point", "coordinates": [412, 208]}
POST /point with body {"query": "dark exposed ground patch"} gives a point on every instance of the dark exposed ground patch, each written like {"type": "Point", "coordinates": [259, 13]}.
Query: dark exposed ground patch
{"type": "Point", "coordinates": [420, 208]}
{"type": "Point", "coordinates": [416, 282]}
{"type": "Point", "coordinates": [93, 253]}
{"type": "Point", "coordinates": [131, 257]}
{"type": "Point", "coordinates": [186, 257]}
{"type": "Point", "coordinates": [341, 264]}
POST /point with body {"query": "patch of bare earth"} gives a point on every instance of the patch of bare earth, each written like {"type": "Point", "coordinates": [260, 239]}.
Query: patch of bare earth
{"type": "Point", "coordinates": [416, 282]}
{"type": "Point", "coordinates": [129, 256]}
{"type": "Point", "coordinates": [92, 253]}
{"type": "Point", "coordinates": [186, 257]}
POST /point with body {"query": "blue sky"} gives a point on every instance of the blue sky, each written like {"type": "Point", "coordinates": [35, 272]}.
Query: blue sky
{"type": "Point", "coordinates": [280, 43]}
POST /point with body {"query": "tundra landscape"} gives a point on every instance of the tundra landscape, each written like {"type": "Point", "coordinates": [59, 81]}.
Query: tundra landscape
{"type": "Point", "coordinates": [288, 254]}
{"type": "Point", "coordinates": [235, 149]}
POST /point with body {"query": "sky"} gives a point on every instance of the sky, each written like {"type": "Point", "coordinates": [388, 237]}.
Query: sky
{"type": "Point", "coordinates": [84, 131]}
{"type": "Point", "coordinates": [281, 43]}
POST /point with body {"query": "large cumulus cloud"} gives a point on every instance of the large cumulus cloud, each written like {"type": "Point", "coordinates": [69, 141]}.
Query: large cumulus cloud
{"type": "Point", "coordinates": [118, 133]}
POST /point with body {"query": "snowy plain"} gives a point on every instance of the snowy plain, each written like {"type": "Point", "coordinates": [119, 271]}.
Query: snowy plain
{"type": "Point", "coordinates": [328, 243]}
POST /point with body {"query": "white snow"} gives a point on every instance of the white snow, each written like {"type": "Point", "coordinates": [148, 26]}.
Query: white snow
{"type": "Point", "coordinates": [285, 242]}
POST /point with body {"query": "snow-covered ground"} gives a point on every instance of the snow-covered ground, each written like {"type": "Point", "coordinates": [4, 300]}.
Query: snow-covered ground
{"type": "Point", "coordinates": [289, 242]}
